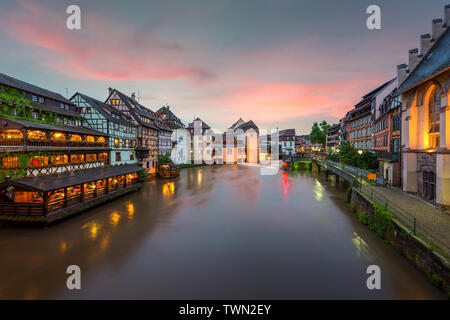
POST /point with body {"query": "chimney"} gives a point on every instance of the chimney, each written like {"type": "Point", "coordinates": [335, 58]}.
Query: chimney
{"type": "Point", "coordinates": [425, 43]}
{"type": "Point", "coordinates": [133, 96]}
{"type": "Point", "coordinates": [447, 16]}
{"type": "Point", "coordinates": [414, 58]}
{"type": "Point", "coordinates": [437, 28]}
{"type": "Point", "coordinates": [402, 73]}
{"type": "Point", "coordinates": [110, 90]}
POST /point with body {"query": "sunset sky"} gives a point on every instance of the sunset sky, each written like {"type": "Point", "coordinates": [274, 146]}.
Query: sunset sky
{"type": "Point", "coordinates": [280, 63]}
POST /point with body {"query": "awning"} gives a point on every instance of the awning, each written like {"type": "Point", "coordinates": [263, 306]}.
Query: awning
{"type": "Point", "coordinates": [67, 179]}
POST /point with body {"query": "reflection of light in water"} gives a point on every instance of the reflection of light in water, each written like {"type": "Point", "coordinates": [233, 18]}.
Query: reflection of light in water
{"type": "Point", "coordinates": [168, 188]}
{"type": "Point", "coordinates": [93, 229]}
{"type": "Point", "coordinates": [285, 184]}
{"type": "Point", "coordinates": [199, 178]}
{"type": "Point", "coordinates": [362, 248]}
{"type": "Point", "coordinates": [114, 218]}
{"type": "Point", "coordinates": [318, 191]}
{"type": "Point", "coordinates": [63, 246]}
{"type": "Point", "coordinates": [130, 209]}
{"type": "Point", "coordinates": [104, 243]}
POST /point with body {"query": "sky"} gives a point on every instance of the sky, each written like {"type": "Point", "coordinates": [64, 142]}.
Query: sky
{"type": "Point", "coordinates": [280, 63]}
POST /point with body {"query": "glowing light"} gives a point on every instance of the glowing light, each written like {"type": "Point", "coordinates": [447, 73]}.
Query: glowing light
{"type": "Point", "coordinates": [360, 152]}
{"type": "Point", "coordinates": [63, 246]}
{"type": "Point", "coordinates": [93, 231]}
{"type": "Point", "coordinates": [114, 218]}
{"type": "Point", "coordinates": [285, 184]}
{"type": "Point", "coordinates": [130, 209]}
{"type": "Point", "coordinates": [168, 188]}
{"type": "Point", "coordinates": [318, 191]}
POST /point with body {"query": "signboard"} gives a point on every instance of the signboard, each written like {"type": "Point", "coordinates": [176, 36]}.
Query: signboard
{"type": "Point", "coordinates": [372, 176]}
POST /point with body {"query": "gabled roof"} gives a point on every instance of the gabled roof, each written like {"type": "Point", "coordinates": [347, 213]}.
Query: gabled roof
{"type": "Point", "coordinates": [287, 132]}
{"type": "Point", "coordinates": [53, 182]}
{"type": "Point", "coordinates": [436, 61]}
{"type": "Point", "coordinates": [24, 86]}
{"type": "Point", "coordinates": [55, 127]}
{"type": "Point", "coordinates": [367, 99]}
{"type": "Point", "coordinates": [105, 109]}
{"type": "Point", "coordinates": [237, 123]}
{"type": "Point", "coordinates": [137, 109]}
{"type": "Point", "coordinates": [204, 124]}
{"type": "Point", "coordinates": [167, 111]}
{"type": "Point", "coordinates": [248, 125]}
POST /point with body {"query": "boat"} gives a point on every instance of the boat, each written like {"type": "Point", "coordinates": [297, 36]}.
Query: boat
{"type": "Point", "coordinates": [168, 170]}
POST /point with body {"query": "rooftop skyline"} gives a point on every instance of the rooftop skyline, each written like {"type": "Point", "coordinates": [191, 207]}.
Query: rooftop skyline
{"type": "Point", "coordinates": [281, 64]}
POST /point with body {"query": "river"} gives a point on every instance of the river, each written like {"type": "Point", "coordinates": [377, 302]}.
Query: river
{"type": "Point", "coordinates": [215, 232]}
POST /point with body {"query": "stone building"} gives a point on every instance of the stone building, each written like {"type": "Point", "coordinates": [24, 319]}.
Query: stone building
{"type": "Point", "coordinates": [333, 136]}
{"type": "Point", "coordinates": [423, 87]}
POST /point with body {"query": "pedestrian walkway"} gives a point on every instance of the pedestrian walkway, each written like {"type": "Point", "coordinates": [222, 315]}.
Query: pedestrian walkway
{"type": "Point", "coordinates": [429, 221]}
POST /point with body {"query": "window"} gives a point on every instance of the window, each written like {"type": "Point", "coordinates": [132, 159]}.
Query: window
{"type": "Point", "coordinates": [10, 161]}
{"type": "Point", "coordinates": [116, 143]}
{"type": "Point", "coordinates": [88, 110]}
{"type": "Point", "coordinates": [434, 117]}
{"type": "Point", "coordinates": [59, 120]}
{"type": "Point", "coordinates": [90, 139]}
{"type": "Point", "coordinates": [60, 159]}
{"type": "Point", "coordinates": [131, 155]}
{"type": "Point", "coordinates": [75, 137]}
{"type": "Point", "coordinates": [34, 98]}
{"type": "Point", "coordinates": [58, 136]}
{"type": "Point", "coordinates": [118, 158]}
{"type": "Point", "coordinates": [130, 143]}
{"type": "Point", "coordinates": [11, 134]}
{"type": "Point", "coordinates": [35, 115]}
{"type": "Point", "coordinates": [38, 161]}
{"type": "Point", "coordinates": [91, 157]}
{"type": "Point", "coordinates": [77, 158]}
{"type": "Point", "coordinates": [103, 156]}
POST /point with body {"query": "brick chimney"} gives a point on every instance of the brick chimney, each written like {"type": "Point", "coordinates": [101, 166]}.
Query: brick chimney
{"type": "Point", "coordinates": [402, 73]}
{"type": "Point", "coordinates": [425, 43]}
{"type": "Point", "coordinates": [437, 28]}
{"type": "Point", "coordinates": [447, 16]}
{"type": "Point", "coordinates": [414, 58]}
{"type": "Point", "coordinates": [110, 90]}
{"type": "Point", "coordinates": [133, 96]}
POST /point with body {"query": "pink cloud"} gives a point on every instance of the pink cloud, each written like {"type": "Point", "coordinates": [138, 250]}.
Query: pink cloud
{"type": "Point", "coordinates": [102, 49]}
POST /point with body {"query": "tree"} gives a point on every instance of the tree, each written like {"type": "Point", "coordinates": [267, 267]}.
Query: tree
{"type": "Point", "coordinates": [319, 132]}
{"type": "Point", "coordinates": [164, 158]}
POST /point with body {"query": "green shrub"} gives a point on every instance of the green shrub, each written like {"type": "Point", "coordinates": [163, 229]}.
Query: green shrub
{"type": "Point", "coordinates": [436, 280]}
{"type": "Point", "coordinates": [364, 217]}
{"type": "Point", "coordinates": [383, 220]}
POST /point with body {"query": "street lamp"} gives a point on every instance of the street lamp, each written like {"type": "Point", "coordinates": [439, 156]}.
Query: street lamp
{"type": "Point", "coordinates": [360, 152]}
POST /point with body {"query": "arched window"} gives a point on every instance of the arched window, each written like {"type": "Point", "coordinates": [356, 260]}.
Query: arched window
{"type": "Point", "coordinates": [36, 134]}
{"type": "Point", "coordinates": [11, 134]}
{"type": "Point", "coordinates": [75, 137]}
{"type": "Point", "coordinates": [58, 136]}
{"type": "Point", "coordinates": [433, 109]}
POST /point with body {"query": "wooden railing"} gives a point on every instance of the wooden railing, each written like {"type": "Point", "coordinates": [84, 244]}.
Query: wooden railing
{"type": "Point", "coordinates": [56, 143]}
{"type": "Point", "coordinates": [22, 209]}
{"type": "Point", "coordinates": [11, 142]}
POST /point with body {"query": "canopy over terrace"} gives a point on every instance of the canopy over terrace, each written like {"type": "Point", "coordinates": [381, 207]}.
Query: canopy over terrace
{"type": "Point", "coordinates": [36, 197]}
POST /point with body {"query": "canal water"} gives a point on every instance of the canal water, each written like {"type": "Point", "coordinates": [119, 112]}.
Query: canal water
{"type": "Point", "coordinates": [215, 232]}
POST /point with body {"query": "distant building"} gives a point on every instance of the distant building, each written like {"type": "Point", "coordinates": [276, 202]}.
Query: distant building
{"type": "Point", "coordinates": [244, 147]}
{"type": "Point", "coordinates": [333, 137]}
{"type": "Point", "coordinates": [286, 140]}
{"type": "Point", "coordinates": [302, 143]}
{"type": "Point", "coordinates": [169, 118]}
{"type": "Point", "coordinates": [424, 90]}
{"type": "Point", "coordinates": [386, 132]}
{"type": "Point", "coordinates": [360, 119]}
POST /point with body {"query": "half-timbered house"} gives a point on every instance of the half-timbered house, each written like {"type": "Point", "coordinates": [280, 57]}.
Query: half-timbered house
{"type": "Point", "coordinates": [116, 125]}
{"type": "Point", "coordinates": [147, 131]}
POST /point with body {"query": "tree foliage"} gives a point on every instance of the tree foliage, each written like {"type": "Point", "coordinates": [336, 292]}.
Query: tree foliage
{"type": "Point", "coordinates": [164, 158]}
{"type": "Point", "coordinates": [349, 155]}
{"type": "Point", "coordinates": [319, 132]}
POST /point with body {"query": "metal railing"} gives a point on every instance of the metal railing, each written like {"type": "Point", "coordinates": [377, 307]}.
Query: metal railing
{"type": "Point", "coordinates": [366, 187]}
{"type": "Point", "coordinates": [409, 220]}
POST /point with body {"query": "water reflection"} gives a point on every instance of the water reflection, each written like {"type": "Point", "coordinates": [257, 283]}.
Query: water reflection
{"type": "Point", "coordinates": [318, 191]}
{"type": "Point", "coordinates": [133, 247]}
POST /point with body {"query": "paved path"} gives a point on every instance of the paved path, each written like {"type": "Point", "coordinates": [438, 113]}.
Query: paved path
{"type": "Point", "coordinates": [431, 222]}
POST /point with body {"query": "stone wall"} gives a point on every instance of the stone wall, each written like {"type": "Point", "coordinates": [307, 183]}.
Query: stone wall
{"type": "Point", "coordinates": [415, 250]}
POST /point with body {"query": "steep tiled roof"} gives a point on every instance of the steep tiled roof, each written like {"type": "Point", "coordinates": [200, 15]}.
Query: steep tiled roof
{"type": "Point", "coordinates": [24, 86]}
{"type": "Point", "coordinates": [436, 60]}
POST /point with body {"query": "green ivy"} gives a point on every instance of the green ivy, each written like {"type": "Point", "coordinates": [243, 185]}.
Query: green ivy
{"type": "Point", "coordinates": [11, 99]}
{"type": "Point", "coordinates": [383, 220]}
